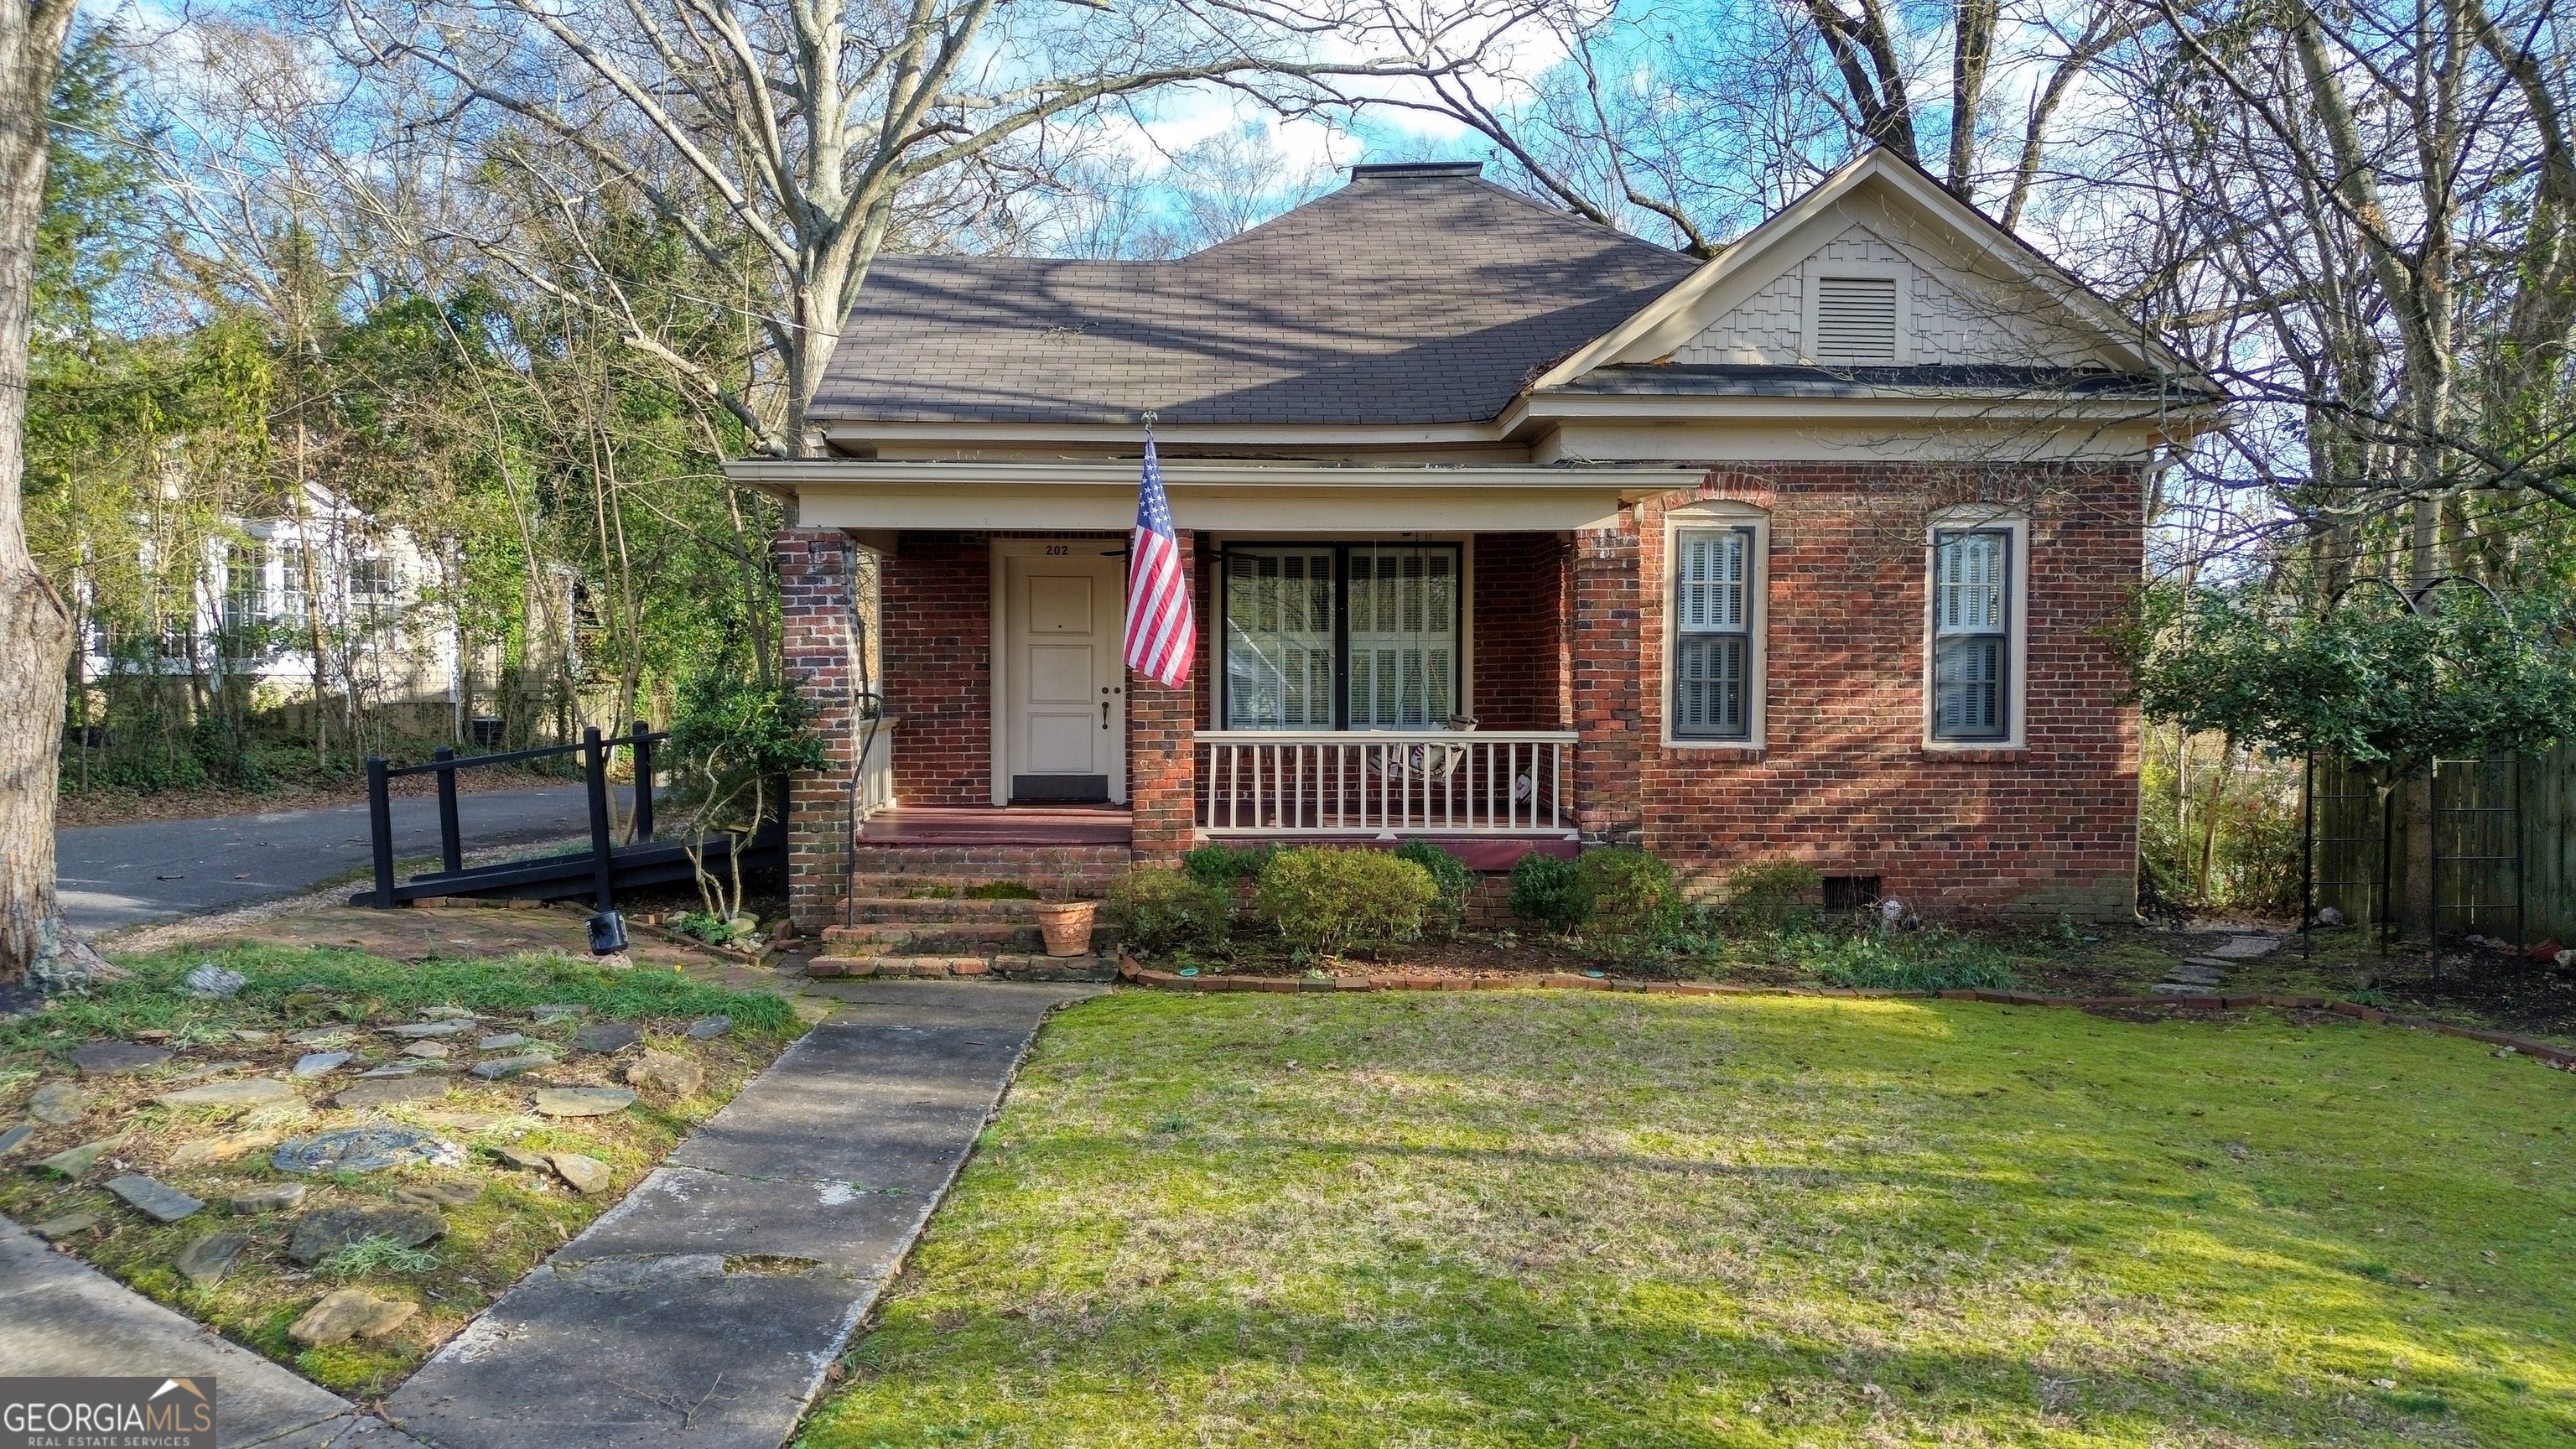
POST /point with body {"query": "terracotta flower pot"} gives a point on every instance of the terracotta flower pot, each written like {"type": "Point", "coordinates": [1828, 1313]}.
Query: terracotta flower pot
{"type": "Point", "coordinates": [1067, 925]}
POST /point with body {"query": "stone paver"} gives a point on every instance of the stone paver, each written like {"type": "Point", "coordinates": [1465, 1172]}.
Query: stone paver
{"type": "Point", "coordinates": [61, 1317]}
{"type": "Point", "coordinates": [652, 1328]}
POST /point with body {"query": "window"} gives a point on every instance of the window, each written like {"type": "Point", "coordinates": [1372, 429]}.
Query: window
{"type": "Point", "coordinates": [1713, 606]}
{"type": "Point", "coordinates": [1358, 636]}
{"type": "Point", "coordinates": [1856, 321]}
{"type": "Point", "coordinates": [1971, 634]}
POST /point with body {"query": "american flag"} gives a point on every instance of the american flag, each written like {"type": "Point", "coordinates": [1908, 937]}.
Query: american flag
{"type": "Point", "coordinates": [1161, 634]}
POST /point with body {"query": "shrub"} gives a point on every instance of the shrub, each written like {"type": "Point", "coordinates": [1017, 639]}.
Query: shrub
{"type": "Point", "coordinates": [1449, 875]}
{"type": "Point", "coordinates": [1165, 910]}
{"type": "Point", "coordinates": [1931, 960]}
{"type": "Point", "coordinates": [1325, 901]}
{"type": "Point", "coordinates": [1550, 892]}
{"type": "Point", "coordinates": [1632, 894]}
{"type": "Point", "coordinates": [1223, 865]}
{"type": "Point", "coordinates": [1771, 893]}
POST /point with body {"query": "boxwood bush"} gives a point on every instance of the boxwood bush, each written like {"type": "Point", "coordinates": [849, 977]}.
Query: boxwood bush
{"type": "Point", "coordinates": [1160, 910]}
{"type": "Point", "coordinates": [1327, 901]}
{"type": "Point", "coordinates": [1550, 893]}
{"type": "Point", "coordinates": [1224, 865]}
{"type": "Point", "coordinates": [1449, 875]}
{"type": "Point", "coordinates": [1632, 894]}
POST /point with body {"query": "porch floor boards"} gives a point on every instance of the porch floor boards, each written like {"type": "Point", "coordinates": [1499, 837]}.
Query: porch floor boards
{"type": "Point", "coordinates": [934, 825]}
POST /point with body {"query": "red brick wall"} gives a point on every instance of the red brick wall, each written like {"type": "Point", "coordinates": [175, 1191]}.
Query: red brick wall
{"type": "Point", "coordinates": [1844, 781]}
{"type": "Point", "coordinates": [1162, 774]}
{"type": "Point", "coordinates": [814, 595]}
{"type": "Point", "coordinates": [938, 671]}
{"type": "Point", "coordinates": [1523, 678]}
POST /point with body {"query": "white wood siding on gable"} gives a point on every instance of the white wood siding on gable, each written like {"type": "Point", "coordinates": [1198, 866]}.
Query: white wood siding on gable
{"type": "Point", "coordinates": [1947, 316]}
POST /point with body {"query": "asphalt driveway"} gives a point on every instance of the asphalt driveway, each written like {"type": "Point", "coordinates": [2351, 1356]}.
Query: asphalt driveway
{"type": "Point", "coordinates": [157, 870]}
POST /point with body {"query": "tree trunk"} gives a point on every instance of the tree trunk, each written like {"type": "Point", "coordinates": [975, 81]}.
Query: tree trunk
{"type": "Point", "coordinates": [32, 617]}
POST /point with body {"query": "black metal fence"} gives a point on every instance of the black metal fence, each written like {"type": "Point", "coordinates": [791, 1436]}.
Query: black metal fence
{"type": "Point", "coordinates": [594, 750]}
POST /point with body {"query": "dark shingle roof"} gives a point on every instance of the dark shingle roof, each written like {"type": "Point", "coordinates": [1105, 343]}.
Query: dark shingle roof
{"type": "Point", "coordinates": [1412, 295]}
{"type": "Point", "coordinates": [1771, 380]}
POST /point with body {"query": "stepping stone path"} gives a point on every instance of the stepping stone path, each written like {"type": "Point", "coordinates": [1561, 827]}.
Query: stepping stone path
{"type": "Point", "coordinates": [501, 1043]}
{"type": "Point", "coordinates": [448, 1013]}
{"type": "Point", "coordinates": [435, 1051]}
{"type": "Point", "coordinates": [401, 1067]}
{"type": "Point", "coordinates": [254, 1038]}
{"type": "Point", "coordinates": [666, 1072]}
{"type": "Point", "coordinates": [499, 1067]}
{"type": "Point", "coordinates": [247, 1092]}
{"type": "Point", "coordinates": [349, 1313]}
{"type": "Point", "coordinates": [314, 1064]}
{"type": "Point", "coordinates": [709, 1028]}
{"type": "Point", "coordinates": [586, 1174]}
{"type": "Point", "coordinates": [365, 1149]}
{"type": "Point", "coordinates": [156, 1200]}
{"type": "Point", "coordinates": [2203, 975]}
{"type": "Point", "coordinates": [16, 1137]}
{"type": "Point", "coordinates": [417, 1030]}
{"type": "Point", "coordinates": [111, 1058]}
{"type": "Point", "coordinates": [206, 1261]}
{"type": "Point", "coordinates": [54, 1230]}
{"type": "Point", "coordinates": [319, 1036]}
{"type": "Point", "coordinates": [409, 1087]}
{"type": "Point", "coordinates": [461, 1121]}
{"type": "Point", "coordinates": [73, 1161]}
{"type": "Point", "coordinates": [558, 1012]}
{"type": "Point", "coordinates": [58, 1104]}
{"type": "Point", "coordinates": [324, 1231]}
{"type": "Point", "coordinates": [275, 1199]}
{"type": "Point", "coordinates": [582, 1101]}
{"type": "Point", "coordinates": [522, 1157]}
{"type": "Point", "coordinates": [607, 1036]}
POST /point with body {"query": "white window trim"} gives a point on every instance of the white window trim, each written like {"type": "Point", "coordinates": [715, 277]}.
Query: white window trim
{"type": "Point", "coordinates": [1757, 589]}
{"type": "Point", "coordinates": [1990, 517]}
{"type": "Point", "coordinates": [1817, 270]}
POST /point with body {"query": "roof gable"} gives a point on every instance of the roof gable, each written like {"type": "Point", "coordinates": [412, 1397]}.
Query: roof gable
{"type": "Point", "coordinates": [1967, 294]}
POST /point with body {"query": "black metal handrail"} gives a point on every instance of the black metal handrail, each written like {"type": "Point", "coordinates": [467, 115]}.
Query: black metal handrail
{"type": "Point", "coordinates": [594, 749]}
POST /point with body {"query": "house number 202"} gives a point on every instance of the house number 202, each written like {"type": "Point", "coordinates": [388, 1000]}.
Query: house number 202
{"type": "Point", "coordinates": [1058, 550]}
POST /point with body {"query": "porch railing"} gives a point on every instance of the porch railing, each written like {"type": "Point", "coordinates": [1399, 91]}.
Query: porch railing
{"type": "Point", "coordinates": [876, 772]}
{"type": "Point", "coordinates": [1376, 782]}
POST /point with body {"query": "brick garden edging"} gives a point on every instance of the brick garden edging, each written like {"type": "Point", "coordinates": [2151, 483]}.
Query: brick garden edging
{"type": "Point", "coordinates": [2558, 1058]}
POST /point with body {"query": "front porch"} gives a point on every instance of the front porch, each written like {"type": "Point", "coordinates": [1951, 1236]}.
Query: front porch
{"type": "Point", "coordinates": [1414, 686]}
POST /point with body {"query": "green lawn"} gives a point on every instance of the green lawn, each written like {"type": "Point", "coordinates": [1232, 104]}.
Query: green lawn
{"type": "Point", "coordinates": [1552, 1219]}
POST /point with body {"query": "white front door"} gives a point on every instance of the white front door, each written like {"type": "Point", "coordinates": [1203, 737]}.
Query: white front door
{"type": "Point", "coordinates": [1063, 690]}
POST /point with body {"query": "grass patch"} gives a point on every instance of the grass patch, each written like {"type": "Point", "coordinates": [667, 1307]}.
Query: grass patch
{"type": "Point", "coordinates": [1489, 1219]}
{"type": "Point", "coordinates": [508, 1217]}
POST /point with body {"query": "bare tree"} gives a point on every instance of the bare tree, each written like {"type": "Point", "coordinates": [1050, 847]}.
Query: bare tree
{"type": "Point", "coordinates": [806, 127]}
{"type": "Point", "coordinates": [33, 619]}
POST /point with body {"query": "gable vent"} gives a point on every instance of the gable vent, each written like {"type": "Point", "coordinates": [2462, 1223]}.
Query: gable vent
{"type": "Point", "coordinates": [1856, 320]}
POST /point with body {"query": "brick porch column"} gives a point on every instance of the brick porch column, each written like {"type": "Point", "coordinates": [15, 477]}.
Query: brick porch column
{"type": "Point", "coordinates": [1606, 656]}
{"type": "Point", "coordinates": [815, 593]}
{"type": "Point", "coordinates": [1162, 766]}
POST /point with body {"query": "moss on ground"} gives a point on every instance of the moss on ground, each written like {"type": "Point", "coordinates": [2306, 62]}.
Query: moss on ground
{"type": "Point", "coordinates": [1546, 1219]}
{"type": "Point", "coordinates": [517, 1218]}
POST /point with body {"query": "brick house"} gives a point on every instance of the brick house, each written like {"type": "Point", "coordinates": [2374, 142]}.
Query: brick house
{"type": "Point", "coordinates": [1508, 531]}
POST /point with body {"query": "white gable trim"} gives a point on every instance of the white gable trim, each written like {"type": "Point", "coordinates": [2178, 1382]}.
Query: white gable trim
{"type": "Point", "coordinates": [1904, 208]}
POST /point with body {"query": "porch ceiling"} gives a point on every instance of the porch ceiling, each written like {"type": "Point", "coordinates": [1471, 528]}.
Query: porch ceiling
{"type": "Point", "coordinates": [1208, 496]}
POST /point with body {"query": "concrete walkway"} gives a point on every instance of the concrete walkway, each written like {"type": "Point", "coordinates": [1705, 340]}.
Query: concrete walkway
{"type": "Point", "coordinates": [61, 1317]}
{"type": "Point", "coordinates": [704, 1309]}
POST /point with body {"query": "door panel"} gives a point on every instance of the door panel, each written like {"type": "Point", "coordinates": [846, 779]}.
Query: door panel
{"type": "Point", "coordinates": [1061, 689]}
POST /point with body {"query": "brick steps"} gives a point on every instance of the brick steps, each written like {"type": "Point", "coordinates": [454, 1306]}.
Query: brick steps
{"type": "Point", "coordinates": [876, 909]}
{"type": "Point", "coordinates": [1009, 966]}
{"type": "Point", "coordinates": [932, 938]}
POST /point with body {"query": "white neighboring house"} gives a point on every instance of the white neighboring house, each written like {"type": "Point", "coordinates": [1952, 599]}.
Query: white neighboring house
{"type": "Point", "coordinates": [376, 594]}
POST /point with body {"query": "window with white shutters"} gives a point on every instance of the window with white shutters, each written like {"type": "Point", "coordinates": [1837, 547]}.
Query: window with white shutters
{"type": "Point", "coordinates": [1855, 321]}
{"type": "Point", "coordinates": [1713, 607]}
{"type": "Point", "coordinates": [1971, 634]}
{"type": "Point", "coordinates": [1403, 637]}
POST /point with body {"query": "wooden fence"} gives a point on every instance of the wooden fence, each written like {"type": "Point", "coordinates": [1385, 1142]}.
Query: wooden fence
{"type": "Point", "coordinates": [2479, 884]}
